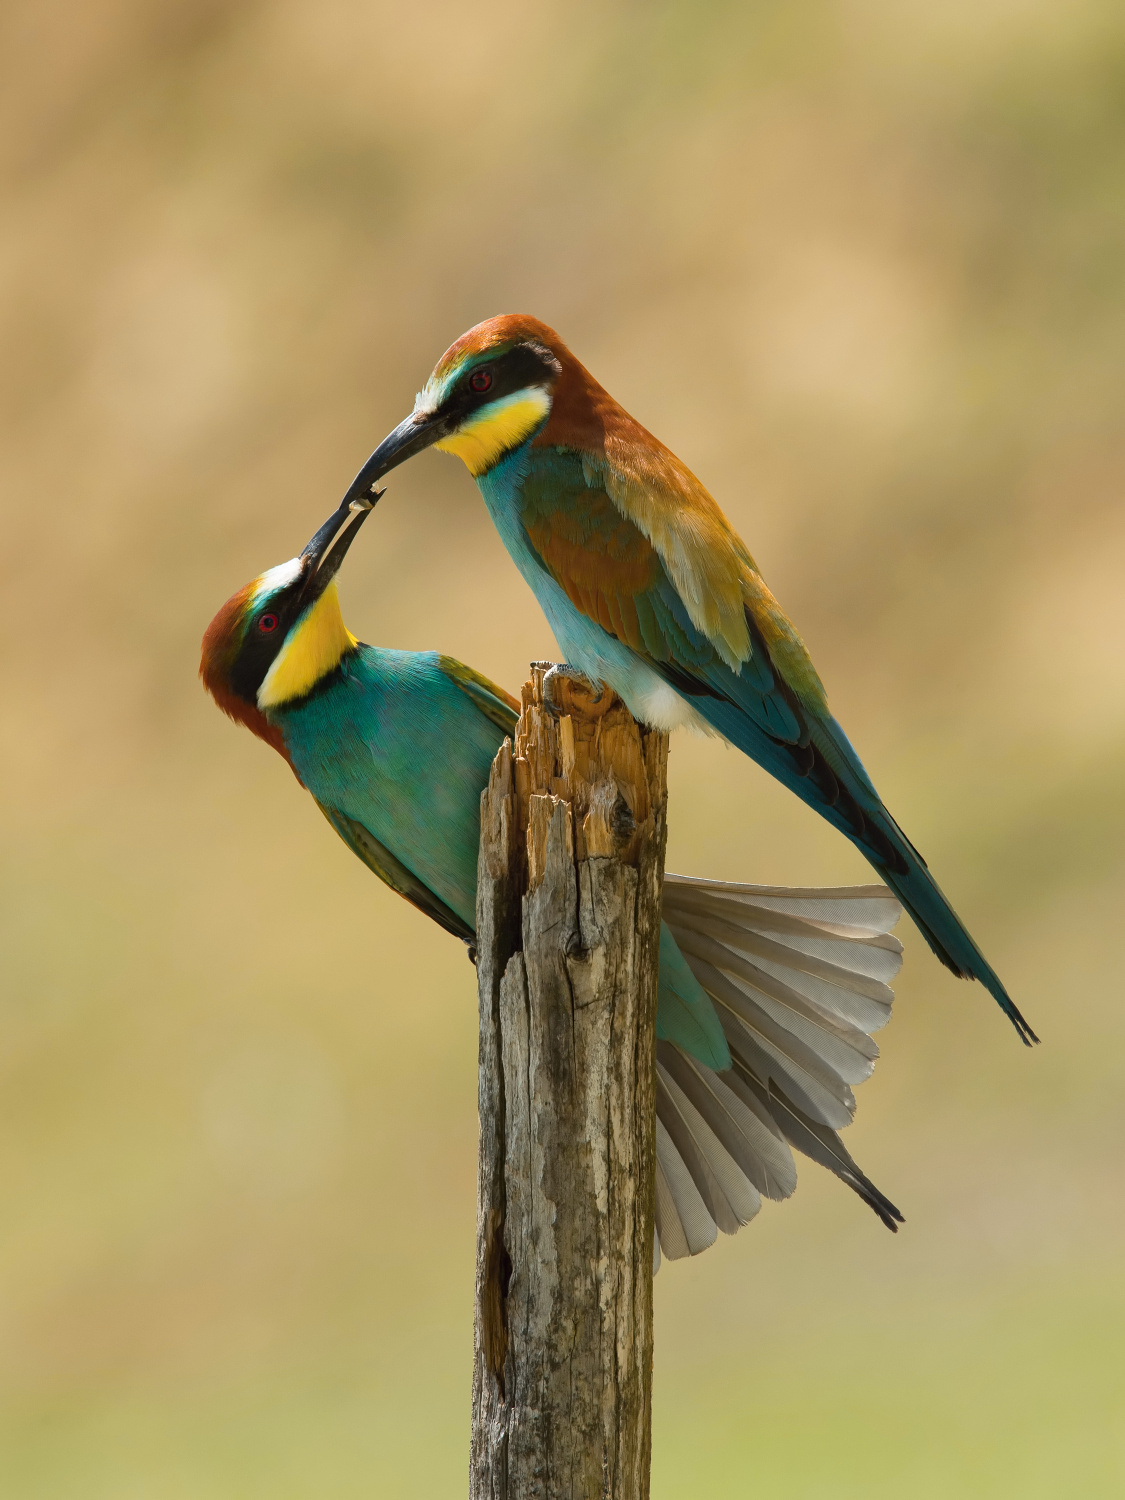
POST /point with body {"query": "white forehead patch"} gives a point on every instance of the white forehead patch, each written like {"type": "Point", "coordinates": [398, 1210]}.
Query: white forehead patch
{"type": "Point", "coordinates": [277, 578]}
{"type": "Point", "coordinates": [429, 398]}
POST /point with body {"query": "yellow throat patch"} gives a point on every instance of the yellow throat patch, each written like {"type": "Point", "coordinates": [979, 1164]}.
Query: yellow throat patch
{"type": "Point", "coordinates": [312, 649]}
{"type": "Point", "coordinates": [490, 432]}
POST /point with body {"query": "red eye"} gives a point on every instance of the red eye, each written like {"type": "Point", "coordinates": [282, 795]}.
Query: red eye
{"type": "Point", "coordinates": [480, 380]}
{"type": "Point", "coordinates": [266, 623]}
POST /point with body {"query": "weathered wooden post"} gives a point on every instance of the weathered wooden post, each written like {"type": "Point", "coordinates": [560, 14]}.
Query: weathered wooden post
{"type": "Point", "coordinates": [568, 931]}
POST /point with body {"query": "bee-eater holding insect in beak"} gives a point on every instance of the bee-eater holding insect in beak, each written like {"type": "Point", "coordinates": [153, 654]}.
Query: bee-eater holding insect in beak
{"type": "Point", "coordinates": [649, 590]}
{"type": "Point", "coordinates": [767, 997]}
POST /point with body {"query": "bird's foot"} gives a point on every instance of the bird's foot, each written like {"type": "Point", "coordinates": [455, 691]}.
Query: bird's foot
{"type": "Point", "coordinates": [566, 687]}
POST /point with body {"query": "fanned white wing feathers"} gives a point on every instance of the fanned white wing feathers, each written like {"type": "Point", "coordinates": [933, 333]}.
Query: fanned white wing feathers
{"type": "Point", "coordinates": [800, 980]}
{"type": "Point", "coordinates": [744, 1130]}
{"type": "Point", "coordinates": [729, 1196]}
{"type": "Point", "coordinates": [867, 909]}
{"type": "Point", "coordinates": [682, 1222]}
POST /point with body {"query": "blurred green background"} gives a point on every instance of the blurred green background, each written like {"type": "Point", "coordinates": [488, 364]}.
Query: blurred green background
{"type": "Point", "coordinates": [861, 263]}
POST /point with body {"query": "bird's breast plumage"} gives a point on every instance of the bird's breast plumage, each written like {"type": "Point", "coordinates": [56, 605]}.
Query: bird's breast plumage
{"type": "Point", "coordinates": [367, 743]}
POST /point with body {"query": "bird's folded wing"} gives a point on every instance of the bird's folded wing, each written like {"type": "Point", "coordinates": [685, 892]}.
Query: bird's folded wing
{"type": "Point", "coordinates": [494, 703]}
{"type": "Point", "coordinates": [616, 576]}
{"type": "Point", "coordinates": [800, 980]}
{"type": "Point", "coordinates": [377, 857]}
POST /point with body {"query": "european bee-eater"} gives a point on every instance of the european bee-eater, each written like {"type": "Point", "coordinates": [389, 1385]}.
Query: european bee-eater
{"type": "Point", "coordinates": [767, 996]}
{"type": "Point", "coordinates": [649, 590]}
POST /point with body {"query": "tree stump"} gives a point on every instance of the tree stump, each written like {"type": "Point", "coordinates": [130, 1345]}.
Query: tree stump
{"type": "Point", "coordinates": [573, 829]}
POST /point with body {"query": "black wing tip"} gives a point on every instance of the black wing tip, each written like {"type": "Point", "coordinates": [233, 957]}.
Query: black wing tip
{"type": "Point", "coordinates": [1023, 1030]}
{"type": "Point", "coordinates": [1011, 1010]}
{"type": "Point", "coordinates": [1009, 1007]}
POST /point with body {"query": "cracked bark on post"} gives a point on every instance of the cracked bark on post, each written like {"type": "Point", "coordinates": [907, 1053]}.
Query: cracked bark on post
{"type": "Point", "coordinates": [568, 933]}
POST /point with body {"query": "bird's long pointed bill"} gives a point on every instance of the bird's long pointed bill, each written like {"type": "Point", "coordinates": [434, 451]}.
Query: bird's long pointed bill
{"type": "Point", "coordinates": [408, 438]}
{"type": "Point", "coordinates": [321, 558]}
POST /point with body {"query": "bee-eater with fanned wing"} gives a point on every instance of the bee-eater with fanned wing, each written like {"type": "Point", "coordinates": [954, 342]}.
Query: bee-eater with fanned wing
{"type": "Point", "coordinates": [767, 997]}
{"type": "Point", "coordinates": [648, 589]}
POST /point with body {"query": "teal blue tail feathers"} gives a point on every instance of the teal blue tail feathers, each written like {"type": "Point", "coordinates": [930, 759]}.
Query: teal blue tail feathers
{"type": "Point", "coordinates": [940, 925]}
{"type": "Point", "coordinates": [826, 773]}
{"type": "Point", "coordinates": [905, 871]}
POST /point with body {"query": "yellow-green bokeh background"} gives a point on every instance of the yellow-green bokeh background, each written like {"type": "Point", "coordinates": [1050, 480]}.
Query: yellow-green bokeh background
{"type": "Point", "coordinates": [862, 264]}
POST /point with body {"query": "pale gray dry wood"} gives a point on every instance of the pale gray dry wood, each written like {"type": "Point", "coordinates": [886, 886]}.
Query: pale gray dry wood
{"type": "Point", "coordinates": [567, 986]}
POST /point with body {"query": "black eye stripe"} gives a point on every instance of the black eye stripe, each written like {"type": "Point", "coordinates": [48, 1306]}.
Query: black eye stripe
{"type": "Point", "coordinates": [526, 364]}
{"type": "Point", "coordinates": [263, 638]}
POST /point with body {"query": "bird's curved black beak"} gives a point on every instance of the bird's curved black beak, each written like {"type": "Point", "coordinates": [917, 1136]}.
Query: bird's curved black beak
{"type": "Point", "coordinates": [418, 432]}
{"type": "Point", "coordinates": [321, 560]}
